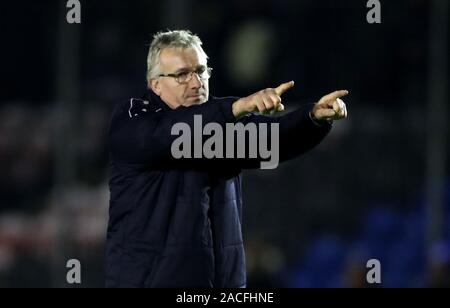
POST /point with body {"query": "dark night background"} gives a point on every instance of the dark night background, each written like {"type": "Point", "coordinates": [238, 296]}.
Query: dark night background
{"type": "Point", "coordinates": [377, 187]}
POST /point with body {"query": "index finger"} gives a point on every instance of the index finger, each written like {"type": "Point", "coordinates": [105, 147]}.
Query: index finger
{"type": "Point", "coordinates": [336, 95]}
{"type": "Point", "coordinates": [284, 87]}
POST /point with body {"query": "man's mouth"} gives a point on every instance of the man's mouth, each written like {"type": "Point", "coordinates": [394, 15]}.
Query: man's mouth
{"type": "Point", "coordinates": [196, 95]}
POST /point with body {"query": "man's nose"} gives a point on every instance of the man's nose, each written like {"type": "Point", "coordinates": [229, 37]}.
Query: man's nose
{"type": "Point", "coordinates": [196, 82]}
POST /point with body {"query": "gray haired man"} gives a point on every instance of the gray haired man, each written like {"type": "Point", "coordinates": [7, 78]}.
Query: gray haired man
{"type": "Point", "coordinates": [178, 222]}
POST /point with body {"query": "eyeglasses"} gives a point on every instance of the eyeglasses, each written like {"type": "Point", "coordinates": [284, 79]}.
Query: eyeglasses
{"type": "Point", "coordinates": [203, 73]}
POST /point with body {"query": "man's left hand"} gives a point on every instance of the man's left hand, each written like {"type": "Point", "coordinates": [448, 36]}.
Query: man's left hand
{"type": "Point", "coordinates": [331, 107]}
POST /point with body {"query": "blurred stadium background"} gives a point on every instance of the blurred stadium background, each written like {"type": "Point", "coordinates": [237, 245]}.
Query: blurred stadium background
{"type": "Point", "coordinates": [377, 187]}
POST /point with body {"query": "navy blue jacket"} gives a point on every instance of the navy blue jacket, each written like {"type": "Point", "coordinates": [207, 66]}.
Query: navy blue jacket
{"type": "Point", "coordinates": [178, 223]}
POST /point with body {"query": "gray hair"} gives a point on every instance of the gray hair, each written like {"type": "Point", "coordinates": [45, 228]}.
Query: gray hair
{"type": "Point", "coordinates": [161, 40]}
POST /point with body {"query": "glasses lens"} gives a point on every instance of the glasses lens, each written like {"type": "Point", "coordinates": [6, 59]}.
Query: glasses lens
{"type": "Point", "coordinates": [184, 77]}
{"type": "Point", "coordinates": [202, 74]}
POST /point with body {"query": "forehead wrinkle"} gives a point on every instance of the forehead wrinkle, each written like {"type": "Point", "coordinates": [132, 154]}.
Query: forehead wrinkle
{"type": "Point", "coordinates": [187, 68]}
{"type": "Point", "coordinates": [182, 59]}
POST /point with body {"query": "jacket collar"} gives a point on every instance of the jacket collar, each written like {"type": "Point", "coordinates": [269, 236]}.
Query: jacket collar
{"type": "Point", "coordinates": [155, 100]}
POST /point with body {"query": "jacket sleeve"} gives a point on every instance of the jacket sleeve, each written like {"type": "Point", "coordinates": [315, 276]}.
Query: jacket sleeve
{"type": "Point", "coordinates": [147, 139]}
{"type": "Point", "coordinates": [298, 133]}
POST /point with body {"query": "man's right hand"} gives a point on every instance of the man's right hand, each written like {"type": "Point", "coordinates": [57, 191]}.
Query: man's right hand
{"type": "Point", "coordinates": [266, 101]}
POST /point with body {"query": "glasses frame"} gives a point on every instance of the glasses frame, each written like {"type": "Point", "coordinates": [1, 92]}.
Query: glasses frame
{"type": "Point", "coordinates": [189, 75]}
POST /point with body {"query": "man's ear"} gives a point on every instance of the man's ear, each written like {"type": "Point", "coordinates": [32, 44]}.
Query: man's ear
{"type": "Point", "coordinates": [155, 86]}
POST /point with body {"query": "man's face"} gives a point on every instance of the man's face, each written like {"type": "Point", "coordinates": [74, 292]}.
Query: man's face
{"type": "Point", "coordinates": [175, 61]}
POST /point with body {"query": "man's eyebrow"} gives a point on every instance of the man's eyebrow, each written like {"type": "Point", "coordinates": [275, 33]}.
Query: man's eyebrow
{"type": "Point", "coordinates": [187, 69]}
{"type": "Point", "coordinates": [183, 69]}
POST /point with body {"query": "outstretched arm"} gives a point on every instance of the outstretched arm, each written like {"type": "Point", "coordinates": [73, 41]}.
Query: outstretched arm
{"type": "Point", "coordinates": [300, 130]}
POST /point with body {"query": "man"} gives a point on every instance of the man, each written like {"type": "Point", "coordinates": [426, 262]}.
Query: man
{"type": "Point", "coordinates": [177, 222]}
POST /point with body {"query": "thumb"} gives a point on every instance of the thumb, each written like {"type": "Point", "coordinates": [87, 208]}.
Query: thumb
{"type": "Point", "coordinates": [324, 113]}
